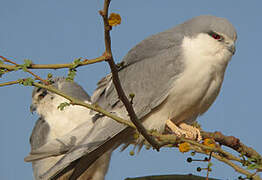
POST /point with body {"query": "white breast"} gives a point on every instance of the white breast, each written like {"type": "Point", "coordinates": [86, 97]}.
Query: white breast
{"type": "Point", "coordinates": [63, 121]}
{"type": "Point", "coordinates": [197, 87]}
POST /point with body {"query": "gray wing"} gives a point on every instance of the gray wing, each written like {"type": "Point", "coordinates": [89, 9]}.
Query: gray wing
{"type": "Point", "coordinates": [155, 62]}
{"type": "Point", "coordinates": [37, 139]}
{"type": "Point", "coordinates": [101, 138]}
{"type": "Point", "coordinates": [148, 70]}
{"type": "Point", "coordinates": [39, 134]}
{"type": "Point", "coordinates": [75, 145]}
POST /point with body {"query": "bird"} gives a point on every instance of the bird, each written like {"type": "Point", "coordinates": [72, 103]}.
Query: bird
{"type": "Point", "coordinates": [174, 75]}
{"type": "Point", "coordinates": [54, 123]}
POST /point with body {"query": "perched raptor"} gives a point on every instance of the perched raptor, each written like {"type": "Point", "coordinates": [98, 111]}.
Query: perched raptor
{"type": "Point", "coordinates": [175, 76]}
{"type": "Point", "coordinates": [54, 123]}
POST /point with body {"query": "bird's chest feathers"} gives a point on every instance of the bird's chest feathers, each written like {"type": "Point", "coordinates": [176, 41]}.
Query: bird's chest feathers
{"type": "Point", "coordinates": [198, 86]}
{"type": "Point", "coordinates": [63, 121]}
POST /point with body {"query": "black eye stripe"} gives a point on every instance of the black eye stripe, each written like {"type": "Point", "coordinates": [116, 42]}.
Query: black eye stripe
{"type": "Point", "coordinates": [43, 94]}
{"type": "Point", "coordinates": [38, 89]}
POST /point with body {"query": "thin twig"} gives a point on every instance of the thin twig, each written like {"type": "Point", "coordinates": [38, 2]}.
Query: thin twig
{"type": "Point", "coordinates": [9, 61]}
{"type": "Point", "coordinates": [232, 142]}
{"type": "Point", "coordinates": [235, 167]}
{"type": "Point", "coordinates": [37, 77]}
{"type": "Point", "coordinates": [30, 72]}
{"type": "Point", "coordinates": [75, 101]}
{"type": "Point", "coordinates": [9, 83]}
{"type": "Point", "coordinates": [172, 139]}
{"type": "Point", "coordinates": [54, 66]}
{"type": "Point", "coordinates": [219, 154]}
{"type": "Point", "coordinates": [116, 81]}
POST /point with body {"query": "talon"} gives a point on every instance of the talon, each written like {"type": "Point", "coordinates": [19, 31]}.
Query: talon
{"type": "Point", "coordinates": [195, 132]}
{"type": "Point", "coordinates": [183, 129]}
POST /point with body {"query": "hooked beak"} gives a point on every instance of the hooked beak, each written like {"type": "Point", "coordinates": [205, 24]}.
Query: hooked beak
{"type": "Point", "coordinates": [32, 108]}
{"type": "Point", "coordinates": [232, 49]}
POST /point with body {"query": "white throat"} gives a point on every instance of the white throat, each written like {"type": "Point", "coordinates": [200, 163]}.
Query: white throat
{"type": "Point", "coordinates": [197, 86]}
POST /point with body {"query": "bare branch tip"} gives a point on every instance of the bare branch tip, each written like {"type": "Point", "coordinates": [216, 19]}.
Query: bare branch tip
{"type": "Point", "coordinates": [102, 13]}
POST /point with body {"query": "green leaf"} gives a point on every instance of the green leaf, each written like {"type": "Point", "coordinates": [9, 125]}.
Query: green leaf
{"type": "Point", "coordinates": [2, 72]}
{"type": "Point", "coordinates": [132, 153]}
{"type": "Point", "coordinates": [120, 65]}
{"type": "Point", "coordinates": [28, 62]}
{"type": "Point", "coordinates": [210, 164]}
{"type": "Point", "coordinates": [49, 75]}
{"type": "Point", "coordinates": [131, 95]}
{"type": "Point", "coordinates": [252, 166]}
{"type": "Point", "coordinates": [148, 147]}
{"type": "Point", "coordinates": [24, 68]}
{"type": "Point", "coordinates": [17, 68]}
{"type": "Point", "coordinates": [76, 63]}
{"type": "Point", "coordinates": [63, 105]}
{"type": "Point", "coordinates": [20, 81]}
{"type": "Point", "coordinates": [193, 153]}
{"type": "Point", "coordinates": [26, 82]}
{"type": "Point", "coordinates": [71, 74]}
{"type": "Point", "coordinates": [252, 159]}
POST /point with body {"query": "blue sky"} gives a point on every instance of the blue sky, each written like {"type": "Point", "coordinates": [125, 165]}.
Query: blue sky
{"type": "Point", "coordinates": [56, 31]}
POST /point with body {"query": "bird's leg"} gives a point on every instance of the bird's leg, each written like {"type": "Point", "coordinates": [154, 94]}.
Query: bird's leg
{"type": "Point", "coordinates": [193, 130]}
{"type": "Point", "coordinates": [184, 130]}
{"type": "Point", "coordinates": [174, 128]}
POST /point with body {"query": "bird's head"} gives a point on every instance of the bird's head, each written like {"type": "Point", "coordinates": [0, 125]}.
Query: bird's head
{"type": "Point", "coordinates": [41, 100]}
{"type": "Point", "coordinates": [209, 36]}
{"type": "Point", "coordinates": [44, 101]}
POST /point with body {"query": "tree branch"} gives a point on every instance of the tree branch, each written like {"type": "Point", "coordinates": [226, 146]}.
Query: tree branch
{"type": "Point", "coordinates": [9, 83]}
{"type": "Point", "coordinates": [116, 81]}
{"type": "Point", "coordinates": [236, 167]}
{"type": "Point", "coordinates": [171, 139]}
{"type": "Point", "coordinates": [54, 66]}
{"type": "Point", "coordinates": [26, 70]}
{"type": "Point", "coordinates": [75, 101]}
{"type": "Point", "coordinates": [228, 162]}
{"type": "Point", "coordinates": [171, 177]}
{"type": "Point", "coordinates": [232, 142]}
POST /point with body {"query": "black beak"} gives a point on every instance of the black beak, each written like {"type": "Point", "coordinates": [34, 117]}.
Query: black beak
{"type": "Point", "coordinates": [232, 49]}
{"type": "Point", "coordinates": [32, 108]}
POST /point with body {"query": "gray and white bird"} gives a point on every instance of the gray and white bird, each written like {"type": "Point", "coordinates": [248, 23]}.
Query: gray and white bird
{"type": "Point", "coordinates": [175, 75]}
{"type": "Point", "coordinates": [54, 123]}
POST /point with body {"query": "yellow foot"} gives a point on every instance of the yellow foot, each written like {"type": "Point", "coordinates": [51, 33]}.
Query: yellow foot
{"type": "Point", "coordinates": [185, 130]}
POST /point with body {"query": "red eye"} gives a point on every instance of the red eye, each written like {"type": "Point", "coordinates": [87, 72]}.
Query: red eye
{"type": "Point", "coordinates": [216, 36]}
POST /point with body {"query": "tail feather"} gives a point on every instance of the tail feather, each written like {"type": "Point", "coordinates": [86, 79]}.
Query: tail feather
{"type": "Point", "coordinates": [62, 145]}
{"type": "Point", "coordinates": [105, 135]}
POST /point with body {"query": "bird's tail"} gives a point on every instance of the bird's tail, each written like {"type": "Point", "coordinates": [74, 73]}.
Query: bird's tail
{"type": "Point", "coordinates": [81, 147]}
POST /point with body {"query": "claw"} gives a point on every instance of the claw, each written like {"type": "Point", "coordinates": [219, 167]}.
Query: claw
{"type": "Point", "coordinates": [193, 130]}
{"type": "Point", "coordinates": [184, 130]}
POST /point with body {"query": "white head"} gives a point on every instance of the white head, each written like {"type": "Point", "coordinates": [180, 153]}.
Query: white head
{"type": "Point", "coordinates": [44, 101]}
